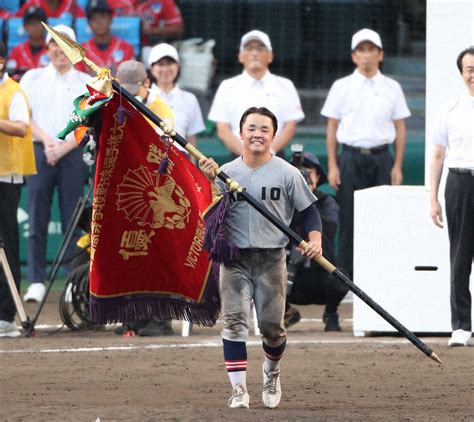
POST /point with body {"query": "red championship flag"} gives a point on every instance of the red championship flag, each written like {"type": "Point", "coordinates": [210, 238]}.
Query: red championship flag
{"type": "Point", "coordinates": [147, 256]}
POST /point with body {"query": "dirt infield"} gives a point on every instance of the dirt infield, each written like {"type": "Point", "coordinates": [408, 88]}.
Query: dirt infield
{"type": "Point", "coordinates": [82, 376]}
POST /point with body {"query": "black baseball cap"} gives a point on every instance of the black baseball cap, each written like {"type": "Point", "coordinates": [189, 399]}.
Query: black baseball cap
{"type": "Point", "coordinates": [310, 160]}
{"type": "Point", "coordinates": [36, 13]}
{"type": "Point", "coordinates": [100, 6]}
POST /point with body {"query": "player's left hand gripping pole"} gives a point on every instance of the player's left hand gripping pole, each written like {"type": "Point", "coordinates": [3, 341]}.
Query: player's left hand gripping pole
{"type": "Point", "coordinates": [76, 53]}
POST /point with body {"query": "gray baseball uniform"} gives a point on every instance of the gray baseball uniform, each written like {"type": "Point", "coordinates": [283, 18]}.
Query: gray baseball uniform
{"type": "Point", "coordinates": [259, 272]}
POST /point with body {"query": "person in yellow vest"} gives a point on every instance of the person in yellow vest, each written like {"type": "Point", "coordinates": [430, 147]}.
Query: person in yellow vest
{"type": "Point", "coordinates": [16, 160]}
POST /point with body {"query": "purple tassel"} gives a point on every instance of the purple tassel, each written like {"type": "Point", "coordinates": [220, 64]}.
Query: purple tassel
{"type": "Point", "coordinates": [224, 252]}
{"type": "Point", "coordinates": [215, 237]}
{"type": "Point", "coordinates": [163, 168]}
{"type": "Point", "coordinates": [214, 219]}
{"type": "Point", "coordinates": [121, 112]}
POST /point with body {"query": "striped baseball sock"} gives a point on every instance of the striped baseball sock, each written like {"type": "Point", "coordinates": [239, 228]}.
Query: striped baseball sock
{"type": "Point", "coordinates": [235, 356]}
{"type": "Point", "coordinates": [273, 356]}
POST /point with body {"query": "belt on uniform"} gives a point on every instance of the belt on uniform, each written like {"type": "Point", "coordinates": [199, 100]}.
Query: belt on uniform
{"type": "Point", "coordinates": [461, 171]}
{"type": "Point", "coordinates": [365, 151]}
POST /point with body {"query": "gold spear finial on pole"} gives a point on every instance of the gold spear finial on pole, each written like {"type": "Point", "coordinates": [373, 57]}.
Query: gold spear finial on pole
{"type": "Point", "coordinates": [76, 53]}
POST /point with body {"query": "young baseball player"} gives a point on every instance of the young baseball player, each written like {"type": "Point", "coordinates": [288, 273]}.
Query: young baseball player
{"type": "Point", "coordinates": [259, 274]}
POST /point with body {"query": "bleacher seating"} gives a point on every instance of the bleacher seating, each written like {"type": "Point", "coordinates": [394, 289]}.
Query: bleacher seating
{"type": "Point", "coordinates": [16, 33]}
{"type": "Point", "coordinates": [11, 5]}
{"type": "Point", "coordinates": [126, 27]}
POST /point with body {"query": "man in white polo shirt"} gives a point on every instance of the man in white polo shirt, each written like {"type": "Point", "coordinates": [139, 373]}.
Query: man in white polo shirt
{"type": "Point", "coordinates": [366, 112]}
{"type": "Point", "coordinates": [454, 143]}
{"type": "Point", "coordinates": [256, 86]}
{"type": "Point", "coordinates": [51, 91]}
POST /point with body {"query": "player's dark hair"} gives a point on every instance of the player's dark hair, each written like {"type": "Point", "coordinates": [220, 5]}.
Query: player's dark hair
{"type": "Point", "coordinates": [3, 52]}
{"type": "Point", "coordinates": [263, 111]}
{"type": "Point", "coordinates": [469, 50]}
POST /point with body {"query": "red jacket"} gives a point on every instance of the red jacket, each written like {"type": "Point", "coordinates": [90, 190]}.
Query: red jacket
{"type": "Point", "coordinates": [117, 52]}
{"type": "Point", "coordinates": [22, 59]}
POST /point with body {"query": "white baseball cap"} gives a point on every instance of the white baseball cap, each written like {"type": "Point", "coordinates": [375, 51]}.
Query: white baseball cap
{"type": "Point", "coordinates": [258, 36]}
{"type": "Point", "coordinates": [366, 35]}
{"type": "Point", "coordinates": [63, 29]}
{"type": "Point", "coordinates": [162, 50]}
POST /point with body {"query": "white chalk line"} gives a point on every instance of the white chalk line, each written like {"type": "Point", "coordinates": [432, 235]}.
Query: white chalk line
{"type": "Point", "coordinates": [210, 344]}
{"type": "Point", "coordinates": [48, 327]}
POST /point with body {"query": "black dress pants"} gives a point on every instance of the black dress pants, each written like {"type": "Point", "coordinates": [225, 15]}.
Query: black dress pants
{"type": "Point", "coordinates": [459, 196]}
{"type": "Point", "coordinates": [9, 200]}
{"type": "Point", "coordinates": [358, 171]}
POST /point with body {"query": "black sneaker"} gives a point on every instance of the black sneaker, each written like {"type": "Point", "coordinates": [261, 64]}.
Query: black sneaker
{"type": "Point", "coordinates": [331, 321]}
{"type": "Point", "coordinates": [292, 316]}
{"type": "Point", "coordinates": [156, 328]}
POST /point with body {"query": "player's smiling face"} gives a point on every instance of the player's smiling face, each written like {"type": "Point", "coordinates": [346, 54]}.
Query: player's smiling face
{"type": "Point", "coordinates": [257, 133]}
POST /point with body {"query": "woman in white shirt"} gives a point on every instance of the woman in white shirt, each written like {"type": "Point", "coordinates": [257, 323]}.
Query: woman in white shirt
{"type": "Point", "coordinates": [164, 64]}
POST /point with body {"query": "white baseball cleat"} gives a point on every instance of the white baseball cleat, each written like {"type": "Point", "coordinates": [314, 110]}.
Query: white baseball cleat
{"type": "Point", "coordinates": [239, 399]}
{"type": "Point", "coordinates": [460, 338]}
{"type": "Point", "coordinates": [35, 293]}
{"type": "Point", "coordinates": [271, 391]}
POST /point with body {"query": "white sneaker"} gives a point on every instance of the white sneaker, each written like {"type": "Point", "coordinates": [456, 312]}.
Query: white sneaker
{"type": "Point", "coordinates": [35, 293]}
{"type": "Point", "coordinates": [271, 391]}
{"type": "Point", "coordinates": [239, 399]}
{"type": "Point", "coordinates": [460, 338]}
{"type": "Point", "coordinates": [9, 329]}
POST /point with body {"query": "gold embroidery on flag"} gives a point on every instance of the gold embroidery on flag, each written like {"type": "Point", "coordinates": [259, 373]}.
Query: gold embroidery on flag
{"type": "Point", "coordinates": [103, 184]}
{"type": "Point", "coordinates": [153, 199]}
{"type": "Point", "coordinates": [135, 243]}
{"type": "Point", "coordinates": [196, 245]}
{"type": "Point", "coordinates": [155, 155]}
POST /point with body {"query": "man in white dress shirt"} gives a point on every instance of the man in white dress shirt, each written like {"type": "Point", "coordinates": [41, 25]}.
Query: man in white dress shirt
{"type": "Point", "coordinates": [51, 91]}
{"type": "Point", "coordinates": [454, 144]}
{"type": "Point", "coordinates": [16, 160]}
{"type": "Point", "coordinates": [366, 113]}
{"type": "Point", "coordinates": [256, 86]}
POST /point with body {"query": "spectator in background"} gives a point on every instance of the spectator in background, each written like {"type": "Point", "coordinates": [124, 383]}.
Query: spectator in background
{"type": "Point", "coordinates": [55, 8]}
{"type": "Point", "coordinates": [311, 283]}
{"type": "Point", "coordinates": [32, 53]}
{"type": "Point", "coordinates": [133, 76]}
{"type": "Point", "coordinates": [455, 134]}
{"type": "Point", "coordinates": [255, 86]}
{"type": "Point", "coordinates": [164, 63]}
{"type": "Point", "coordinates": [16, 160]}
{"type": "Point", "coordinates": [104, 49]}
{"type": "Point", "coordinates": [366, 113]}
{"type": "Point", "coordinates": [51, 91]}
{"type": "Point", "coordinates": [161, 20]}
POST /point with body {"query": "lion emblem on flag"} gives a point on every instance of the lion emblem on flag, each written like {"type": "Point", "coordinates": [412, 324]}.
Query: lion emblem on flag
{"type": "Point", "coordinates": [153, 199]}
